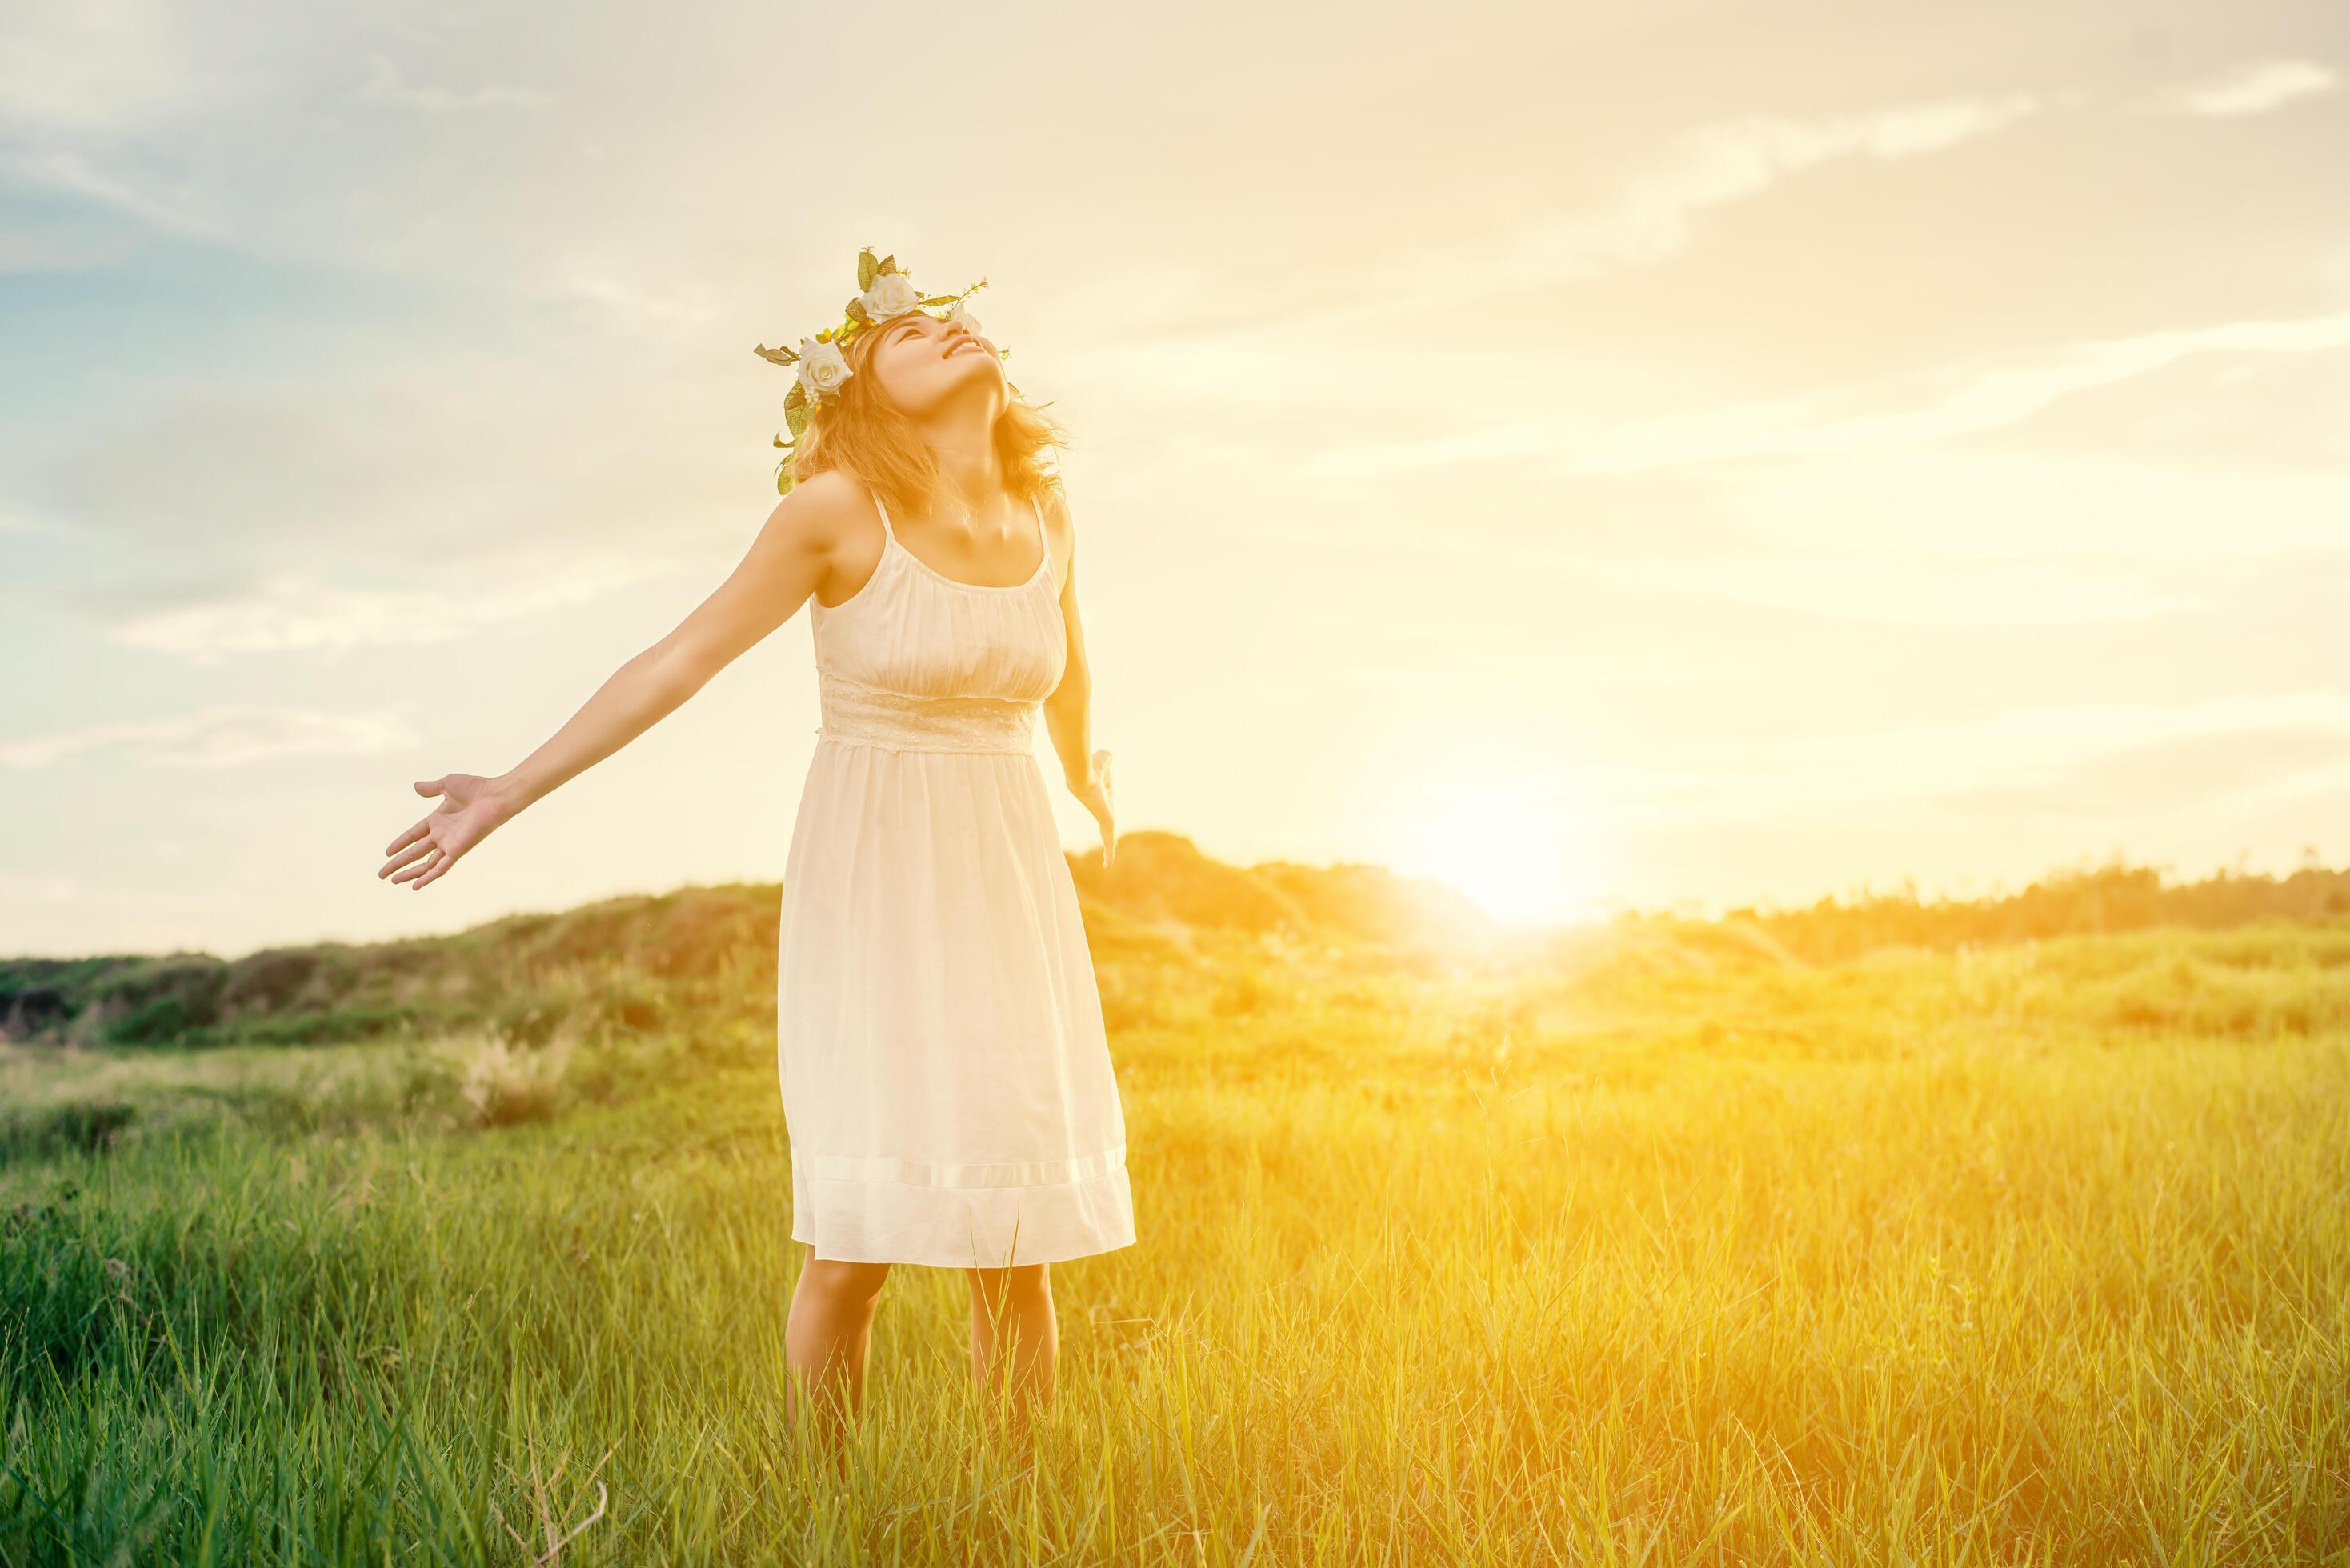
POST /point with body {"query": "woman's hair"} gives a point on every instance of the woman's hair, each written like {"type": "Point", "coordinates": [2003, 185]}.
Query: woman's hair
{"type": "Point", "coordinates": [864, 435]}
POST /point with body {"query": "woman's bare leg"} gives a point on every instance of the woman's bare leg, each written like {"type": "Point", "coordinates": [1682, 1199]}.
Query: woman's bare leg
{"type": "Point", "coordinates": [1014, 1339]}
{"type": "Point", "coordinates": [825, 1336]}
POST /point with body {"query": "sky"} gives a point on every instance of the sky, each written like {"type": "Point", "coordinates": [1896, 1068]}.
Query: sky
{"type": "Point", "coordinates": [1668, 454]}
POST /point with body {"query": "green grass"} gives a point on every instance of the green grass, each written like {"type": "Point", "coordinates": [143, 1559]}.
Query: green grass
{"type": "Point", "coordinates": [1666, 1252]}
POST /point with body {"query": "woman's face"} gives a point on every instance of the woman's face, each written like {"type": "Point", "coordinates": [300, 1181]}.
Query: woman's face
{"type": "Point", "coordinates": [923, 364]}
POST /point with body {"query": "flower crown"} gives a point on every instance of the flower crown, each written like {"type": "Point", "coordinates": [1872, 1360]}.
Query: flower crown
{"type": "Point", "coordinates": [885, 290]}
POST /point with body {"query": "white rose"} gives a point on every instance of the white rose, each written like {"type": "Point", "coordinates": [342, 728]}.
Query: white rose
{"type": "Point", "coordinates": [893, 294]}
{"type": "Point", "coordinates": [966, 317]}
{"type": "Point", "coordinates": [822, 369]}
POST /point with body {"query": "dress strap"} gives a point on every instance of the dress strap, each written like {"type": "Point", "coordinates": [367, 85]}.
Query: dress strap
{"type": "Point", "coordinates": [887, 532]}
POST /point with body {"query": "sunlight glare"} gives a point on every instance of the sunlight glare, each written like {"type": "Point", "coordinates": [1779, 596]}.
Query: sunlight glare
{"type": "Point", "coordinates": [1505, 847]}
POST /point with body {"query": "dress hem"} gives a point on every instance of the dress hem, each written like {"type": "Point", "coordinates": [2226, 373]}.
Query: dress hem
{"type": "Point", "coordinates": [881, 1222]}
{"type": "Point", "coordinates": [1027, 1260]}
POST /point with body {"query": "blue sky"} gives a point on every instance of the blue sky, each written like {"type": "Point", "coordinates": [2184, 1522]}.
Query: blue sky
{"type": "Point", "coordinates": [1700, 452]}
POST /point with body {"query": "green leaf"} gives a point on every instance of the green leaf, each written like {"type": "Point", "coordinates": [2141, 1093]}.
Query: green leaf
{"type": "Point", "coordinates": [797, 416]}
{"type": "Point", "coordinates": [797, 396]}
{"type": "Point", "coordinates": [776, 355]}
{"type": "Point", "coordinates": [866, 269]}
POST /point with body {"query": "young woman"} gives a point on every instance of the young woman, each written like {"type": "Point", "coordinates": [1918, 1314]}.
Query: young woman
{"type": "Point", "coordinates": [946, 1079]}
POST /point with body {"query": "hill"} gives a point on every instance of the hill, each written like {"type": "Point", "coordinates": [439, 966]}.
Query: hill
{"type": "Point", "coordinates": [709, 950]}
{"type": "Point", "coordinates": [629, 960]}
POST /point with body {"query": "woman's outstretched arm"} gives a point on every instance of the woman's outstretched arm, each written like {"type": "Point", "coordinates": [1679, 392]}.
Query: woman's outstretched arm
{"type": "Point", "coordinates": [784, 563]}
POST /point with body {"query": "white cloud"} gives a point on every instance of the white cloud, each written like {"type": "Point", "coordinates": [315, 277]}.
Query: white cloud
{"type": "Point", "coordinates": [96, 66]}
{"type": "Point", "coordinates": [26, 253]}
{"type": "Point", "coordinates": [1165, 319]}
{"type": "Point", "coordinates": [386, 84]}
{"type": "Point", "coordinates": [579, 277]}
{"type": "Point", "coordinates": [1968, 400]}
{"type": "Point", "coordinates": [1657, 214]}
{"type": "Point", "coordinates": [2048, 748]}
{"type": "Point", "coordinates": [224, 736]}
{"type": "Point", "coordinates": [16, 891]}
{"type": "Point", "coordinates": [405, 502]}
{"type": "Point", "coordinates": [2257, 88]}
{"type": "Point", "coordinates": [1153, 339]}
{"type": "Point", "coordinates": [1920, 589]}
{"type": "Point", "coordinates": [1357, 461]}
{"type": "Point", "coordinates": [81, 175]}
{"type": "Point", "coordinates": [289, 612]}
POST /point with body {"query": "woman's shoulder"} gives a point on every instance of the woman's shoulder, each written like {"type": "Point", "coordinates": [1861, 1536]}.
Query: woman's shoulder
{"type": "Point", "coordinates": [832, 494]}
{"type": "Point", "coordinates": [1060, 527]}
{"type": "Point", "coordinates": [1056, 504]}
{"type": "Point", "coordinates": [828, 518]}
{"type": "Point", "coordinates": [830, 509]}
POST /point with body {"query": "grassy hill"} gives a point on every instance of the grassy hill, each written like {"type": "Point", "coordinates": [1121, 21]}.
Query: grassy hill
{"type": "Point", "coordinates": [630, 962]}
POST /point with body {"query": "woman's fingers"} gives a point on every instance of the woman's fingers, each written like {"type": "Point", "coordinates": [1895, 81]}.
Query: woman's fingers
{"type": "Point", "coordinates": [415, 851]}
{"type": "Point", "coordinates": [441, 865]}
{"type": "Point", "coordinates": [419, 868]}
{"type": "Point", "coordinates": [425, 867]}
{"type": "Point", "coordinates": [423, 826]}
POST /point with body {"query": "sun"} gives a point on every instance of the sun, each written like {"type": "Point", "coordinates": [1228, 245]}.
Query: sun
{"type": "Point", "coordinates": [1506, 847]}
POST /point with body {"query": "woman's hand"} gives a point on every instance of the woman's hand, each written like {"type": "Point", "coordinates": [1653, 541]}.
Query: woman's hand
{"type": "Point", "coordinates": [470, 808]}
{"type": "Point", "coordinates": [1094, 793]}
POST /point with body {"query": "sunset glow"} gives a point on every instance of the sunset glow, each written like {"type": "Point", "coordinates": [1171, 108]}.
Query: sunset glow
{"type": "Point", "coordinates": [1777, 460]}
{"type": "Point", "coordinates": [1505, 846]}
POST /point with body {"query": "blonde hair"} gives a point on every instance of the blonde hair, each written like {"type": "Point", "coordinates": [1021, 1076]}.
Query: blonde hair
{"type": "Point", "coordinates": [864, 435]}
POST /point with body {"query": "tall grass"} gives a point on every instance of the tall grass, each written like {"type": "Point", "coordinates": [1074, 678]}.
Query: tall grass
{"type": "Point", "coordinates": [2018, 1254]}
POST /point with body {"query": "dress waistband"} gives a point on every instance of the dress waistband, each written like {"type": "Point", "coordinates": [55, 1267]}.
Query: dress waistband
{"type": "Point", "coordinates": [868, 715]}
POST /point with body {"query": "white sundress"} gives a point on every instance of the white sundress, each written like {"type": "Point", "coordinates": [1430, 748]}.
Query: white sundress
{"type": "Point", "coordinates": [947, 1086]}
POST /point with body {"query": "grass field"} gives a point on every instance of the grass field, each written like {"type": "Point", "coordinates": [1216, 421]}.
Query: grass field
{"type": "Point", "coordinates": [2029, 1252]}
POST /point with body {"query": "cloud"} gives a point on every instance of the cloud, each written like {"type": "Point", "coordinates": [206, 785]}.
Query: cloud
{"type": "Point", "coordinates": [2257, 87]}
{"type": "Point", "coordinates": [1652, 216]}
{"type": "Point", "coordinates": [105, 66]}
{"type": "Point", "coordinates": [1959, 401]}
{"type": "Point", "coordinates": [579, 277]}
{"type": "Point", "coordinates": [81, 175]}
{"type": "Point", "coordinates": [224, 736]}
{"type": "Point", "coordinates": [1738, 160]}
{"type": "Point", "coordinates": [1921, 590]}
{"type": "Point", "coordinates": [1175, 335]}
{"type": "Point", "coordinates": [87, 90]}
{"type": "Point", "coordinates": [16, 891]}
{"type": "Point", "coordinates": [386, 84]}
{"type": "Point", "coordinates": [396, 505]}
{"type": "Point", "coordinates": [2173, 773]}
{"type": "Point", "coordinates": [1352, 463]}
{"type": "Point", "coordinates": [2109, 759]}
{"type": "Point", "coordinates": [26, 253]}
{"type": "Point", "coordinates": [1657, 212]}
{"type": "Point", "coordinates": [286, 612]}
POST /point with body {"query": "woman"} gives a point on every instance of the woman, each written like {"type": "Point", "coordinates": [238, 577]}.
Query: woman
{"type": "Point", "coordinates": [946, 1079]}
